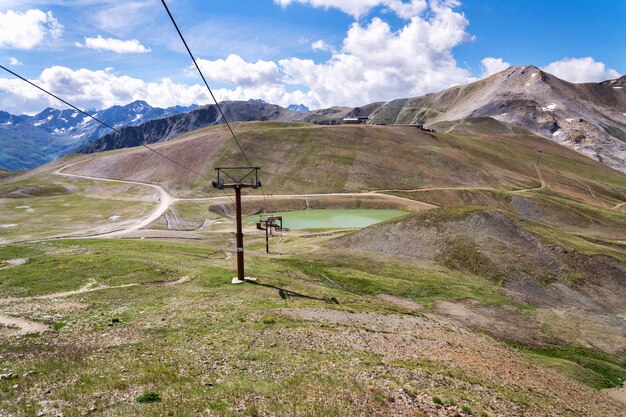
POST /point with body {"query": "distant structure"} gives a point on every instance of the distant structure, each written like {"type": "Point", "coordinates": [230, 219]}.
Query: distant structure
{"type": "Point", "coordinates": [355, 120]}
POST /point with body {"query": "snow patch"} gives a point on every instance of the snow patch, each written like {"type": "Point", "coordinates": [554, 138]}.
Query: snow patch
{"type": "Point", "coordinates": [39, 123]}
{"type": "Point", "coordinates": [549, 107]}
{"type": "Point", "coordinates": [74, 115]}
{"type": "Point", "coordinates": [623, 114]}
{"type": "Point", "coordinates": [49, 117]}
{"type": "Point", "coordinates": [569, 120]}
{"type": "Point", "coordinates": [557, 133]}
{"type": "Point", "coordinates": [503, 114]}
{"type": "Point", "coordinates": [85, 120]}
{"type": "Point", "coordinates": [114, 218]}
{"type": "Point", "coordinates": [617, 88]}
{"type": "Point", "coordinates": [533, 75]}
{"type": "Point", "coordinates": [6, 226]}
{"type": "Point", "coordinates": [137, 118]}
{"type": "Point", "coordinates": [7, 124]}
{"type": "Point", "coordinates": [527, 83]}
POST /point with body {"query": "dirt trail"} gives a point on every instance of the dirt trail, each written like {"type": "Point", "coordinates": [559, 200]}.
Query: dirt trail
{"type": "Point", "coordinates": [415, 203]}
{"type": "Point", "coordinates": [165, 201]}
{"type": "Point", "coordinates": [619, 205]}
{"type": "Point", "coordinates": [11, 263]}
{"type": "Point", "coordinates": [542, 183]}
{"type": "Point", "coordinates": [89, 287]}
{"type": "Point", "coordinates": [18, 326]}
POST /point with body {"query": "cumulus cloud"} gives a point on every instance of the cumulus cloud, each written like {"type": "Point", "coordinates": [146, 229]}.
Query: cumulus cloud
{"type": "Point", "coordinates": [359, 8]}
{"type": "Point", "coordinates": [492, 66]}
{"type": "Point", "coordinates": [581, 70]}
{"type": "Point", "coordinates": [320, 45]}
{"type": "Point", "coordinates": [15, 62]}
{"type": "Point", "coordinates": [375, 63]}
{"type": "Point", "coordinates": [235, 71]}
{"type": "Point", "coordinates": [94, 89]}
{"type": "Point", "coordinates": [118, 46]}
{"type": "Point", "coordinates": [25, 30]}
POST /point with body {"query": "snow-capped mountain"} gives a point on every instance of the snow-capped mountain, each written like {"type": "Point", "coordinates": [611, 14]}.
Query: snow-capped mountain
{"type": "Point", "coordinates": [28, 141]}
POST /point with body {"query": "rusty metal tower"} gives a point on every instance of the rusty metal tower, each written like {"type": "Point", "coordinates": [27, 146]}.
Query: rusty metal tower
{"type": "Point", "coordinates": [238, 178]}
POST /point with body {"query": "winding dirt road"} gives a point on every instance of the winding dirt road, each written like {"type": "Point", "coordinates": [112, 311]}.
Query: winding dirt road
{"type": "Point", "coordinates": [166, 200]}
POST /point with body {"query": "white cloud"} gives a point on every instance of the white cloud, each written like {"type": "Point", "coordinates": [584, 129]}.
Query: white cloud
{"type": "Point", "coordinates": [94, 89]}
{"type": "Point", "coordinates": [234, 70]}
{"type": "Point", "coordinates": [15, 62]}
{"type": "Point", "coordinates": [379, 64]}
{"type": "Point", "coordinates": [359, 8]}
{"type": "Point", "coordinates": [581, 70]}
{"type": "Point", "coordinates": [375, 63]}
{"type": "Point", "coordinates": [492, 66]}
{"type": "Point", "coordinates": [320, 45]}
{"type": "Point", "coordinates": [25, 30]}
{"type": "Point", "coordinates": [118, 46]}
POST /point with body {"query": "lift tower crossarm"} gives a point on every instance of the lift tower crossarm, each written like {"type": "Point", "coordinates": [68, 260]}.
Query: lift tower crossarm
{"type": "Point", "coordinates": [238, 178]}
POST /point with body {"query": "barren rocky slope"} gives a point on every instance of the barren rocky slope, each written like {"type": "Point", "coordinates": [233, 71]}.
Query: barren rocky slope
{"type": "Point", "coordinates": [590, 118]}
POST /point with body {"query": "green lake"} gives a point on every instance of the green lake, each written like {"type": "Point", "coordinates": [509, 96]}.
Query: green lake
{"type": "Point", "coordinates": [333, 219]}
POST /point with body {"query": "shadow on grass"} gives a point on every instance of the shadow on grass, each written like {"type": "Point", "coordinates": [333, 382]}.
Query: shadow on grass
{"type": "Point", "coordinates": [284, 294]}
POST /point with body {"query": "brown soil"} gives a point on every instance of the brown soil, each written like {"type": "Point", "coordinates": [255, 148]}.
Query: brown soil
{"type": "Point", "coordinates": [399, 339]}
{"type": "Point", "coordinates": [401, 302]}
{"type": "Point", "coordinates": [504, 323]}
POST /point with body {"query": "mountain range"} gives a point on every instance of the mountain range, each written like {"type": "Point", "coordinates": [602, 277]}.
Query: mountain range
{"type": "Point", "coordinates": [28, 141]}
{"type": "Point", "coordinates": [590, 117]}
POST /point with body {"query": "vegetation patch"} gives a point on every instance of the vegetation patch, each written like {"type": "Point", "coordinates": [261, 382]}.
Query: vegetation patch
{"type": "Point", "coordinates": [592, 367]}
{"type": "Point", "coordinates": [463, 254]}
{"type": "Point", "coordinates": [149, 397]}
{"type": "Point", "coordinates": [400, 278]}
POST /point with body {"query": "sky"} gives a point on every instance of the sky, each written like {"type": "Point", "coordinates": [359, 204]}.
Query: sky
{"type": "Point", "coordinates": [320, 53]}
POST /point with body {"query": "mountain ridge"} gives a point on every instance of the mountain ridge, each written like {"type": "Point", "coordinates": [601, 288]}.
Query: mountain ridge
{"type": "Point", "coordinates": [29, 141]}
{"type": "Point", "coordinates": [588, 117]}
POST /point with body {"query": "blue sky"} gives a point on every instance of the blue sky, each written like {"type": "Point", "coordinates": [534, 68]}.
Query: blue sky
{"type": "Point", "coordinates": [316, 52]}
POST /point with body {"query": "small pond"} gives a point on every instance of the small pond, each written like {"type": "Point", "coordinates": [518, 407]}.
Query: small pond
{"type": "Point", "coordinates": [333, 219]}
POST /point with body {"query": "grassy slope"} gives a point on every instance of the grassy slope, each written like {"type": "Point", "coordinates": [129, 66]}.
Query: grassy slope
{"type": "Point", "coordinates": [46, 205]}
{"type": "Point", "coordinates": [211, 345]}
{"type": "Point", "coordinates": [310, 158]}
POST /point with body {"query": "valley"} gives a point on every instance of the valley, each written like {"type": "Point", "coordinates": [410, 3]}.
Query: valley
{"type": "Point", "coordinates": [501, 292]}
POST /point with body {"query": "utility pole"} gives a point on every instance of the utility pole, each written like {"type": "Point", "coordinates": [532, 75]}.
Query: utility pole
{"type": "Point", "coordinates": [238, 178]}
{"type": "Point", "coordinates": [267, 224]}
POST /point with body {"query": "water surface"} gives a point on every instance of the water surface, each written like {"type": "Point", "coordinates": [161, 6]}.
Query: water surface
{"type": "Point", "coordinates": [333, 219]}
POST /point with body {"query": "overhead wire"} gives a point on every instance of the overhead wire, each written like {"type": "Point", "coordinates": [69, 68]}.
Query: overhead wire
{"type": "Point", "coordinates": [120, 132]}
{"type": "Point", "coordinates": [219, 108]}
{"type": "Point", "coordinates": [102, 122]}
